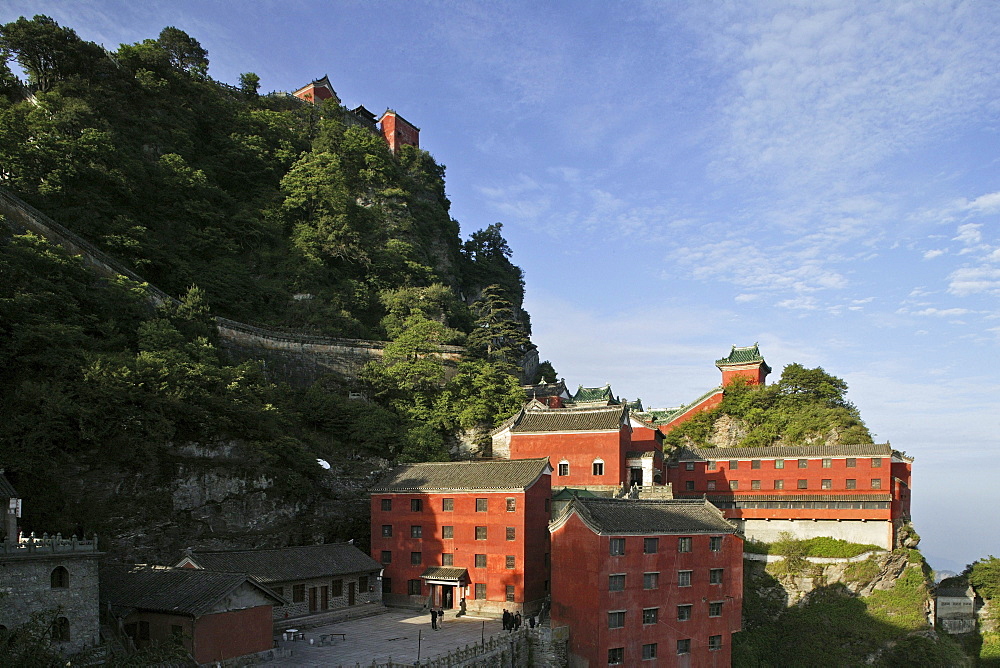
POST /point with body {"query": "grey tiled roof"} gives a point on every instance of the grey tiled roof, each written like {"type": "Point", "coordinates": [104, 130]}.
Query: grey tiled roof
{"type": "Point", "coordinates": [505, 474]}
{"type": "Point", "coordinates": [784, 452]}
{"type": "Point", "coordinates": [444, 573]}
{"type": "Point", "coordinates": [737, 496]}
{"type": "Point", "coordinates": [7, 490]}
{"type": "Point", "coordinates": [650, 517]}
{"type": "Point", "coordinates": [648, 454]}
{"type": "Point", "coordinates": [955, 592]}
{"type": "Point", "coordinates": [545, 390]}
{"type": "Point", "coordinates": [284, 564]}
{"type": "Point", "coordinates": [571, 419]}
{"type": "Point", "coordinates": [185, 591]}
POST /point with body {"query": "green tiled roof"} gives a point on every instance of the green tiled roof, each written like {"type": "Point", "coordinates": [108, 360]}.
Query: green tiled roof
{"type": "Point", "coordinates": [590, 394]}
{"type": "Point", "coordinates": [784, 452]}
{"type": "Point", "coordinates": [618, 517]}
{"type": "Point", "coordinates": [741, 355]}
{"type": "Point", "coordinates": [506, 474]}
{"type": "Point", "coordinates": [571, 419]}
{"type": "Point", "coordinates": [281, 564]}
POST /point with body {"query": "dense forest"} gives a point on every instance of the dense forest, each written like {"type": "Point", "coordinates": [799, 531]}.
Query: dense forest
{"type": "Point", "coordinates": [261, 208]}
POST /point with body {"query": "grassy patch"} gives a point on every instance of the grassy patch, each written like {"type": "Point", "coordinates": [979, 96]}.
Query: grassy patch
{"type": "Point", "coordinates": [903, 605]}
{"type": "Point", "coordinates": [989, 655]}
{"type": "Point", "coordinates": [862, 571]}
{"type": "Point", "coordinates": [820, 546]}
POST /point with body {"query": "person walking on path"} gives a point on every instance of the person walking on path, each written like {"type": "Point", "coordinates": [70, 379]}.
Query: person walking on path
{"type": "Point", "coordinates": [434, 619]}
{"type": "Point", "coordinates": [517, 621]}
{"type": "Point", "coordinates": [531, 622]}
{"type": "Point", "coordinates": [506, 619]}
{"type": "Point", "coordinates": [440, 617]}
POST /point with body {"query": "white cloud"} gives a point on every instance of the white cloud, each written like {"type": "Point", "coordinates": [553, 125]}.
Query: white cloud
{"type": "Point", "coordinates": [931, 254]}
{"type": "Point", "coordinates": [985, 203]}
{"type": "Point", "coordinates": [942, 313]}
{"type": "Point", "coordinates": [745, 297]}
{"type": "Point", "coordinates": [969, 234]}
{"type": "Point", "coordinates": [973, 280]}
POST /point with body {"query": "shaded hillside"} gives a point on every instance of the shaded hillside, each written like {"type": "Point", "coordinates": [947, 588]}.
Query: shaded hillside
{"type": "Point", "coordinates": [805, 407]}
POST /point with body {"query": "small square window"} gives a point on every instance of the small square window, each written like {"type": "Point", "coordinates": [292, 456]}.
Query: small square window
{"type": "Point", "coordinates": [755, 484]}
{"type": "Point", "coordinates": [336, 587]}
{"type": "Point", "coordinates": [715, 609]}
{"type": "Point", "coordinates": [616, 582]}
{"type": "Point", "coordinates": [510, 592]}
{"type": "Point", "coordinates": [710, 466]}
{"type": "Point", "coordinates": [386, 504]}
{"type": "Point", "coordinates": [683, 578]}
{"type": "Point", "coordinates": [715, 576]}
{"type": "Point", "coordinates": [779, 484]}
{"type": "Point", "coordinates": [714, 643]}
{"type": "Point", "coordinates": [298, 593]}
{"type": "Point", "coordinates": [448, 505]}
{"type": "Point", "coordinates": [416, 558]}
{"type": "Point", "coordinates": [876, 483]}
{"type": "Point", "coordinates": [733, 464]}
{"type": "Point", "coordinates": [734, 484]}
{"type": "Point", "coordinates": [447, 559]}
{"type": "Point", "coordinates": [650, 545]}
{"type": "Point", "coordinates": [689, 466]}
{"type": "Point", "coordinates": [617, 547]}
{"type": "Point", "coordinates": [509, 561]}
{"type": "Point", "coordinates": [482, 505]}
{"type": "Point", "coordinates": [803, 484]}
{"type": "Point", "coordinates": [827, 462]}
{"type": "Point", "coordinates": [826, 484]}
{"type": "Point", "coordinates": [779, 463]}
{"type": "Point", "coordinates": [447, 532]}
{"type": "Point", "coordinates": [755, 464]}
{"type": "Point", "coordinates": [386, 585]}
{"type": "Point", "coordinates": [480, 533]}
{"type": "Point", "coordinates": [649, 651]}
{"type": "Point", "coordinates": [480, 561]}
{"type": "Point", "coordinates": [413, 587]}
{"type": "Point", "coordinates": [684, 544]}
{"type": "Point", "coordinates": [803, 463]}
{"type": "Point", "coordinates": [386, 531]}
{"type": "Point", "coordinates": [851, 462]}
{"type": "Point", "coordinates": [616, 656]}
{"type": "Point", "coordinates": [684, 646]}
{"type": "Point", "coordinates": [511, 504]}
{"type": "Point", "coordinates": [563, 468]}
{"type": "Point", "coordinates": [511, 533]}
{"type": "Point", "coordinates": [650, 615]}
{"type": "Point", "coordinates": [650, 580]}
{"type": "Point", "coordinates": [416, 531]}
{"type": "Point", "coordinates": [386, 556]}
{"type": "Point", "coordinates": [689, 485]}
{"type": "Point", "coordinates": [598, 468]}
{"type": "Point", "coordinates": [715, 543]}
{"type": "Point", "coordinates": [480, 591]}
{"type": "Point", "coordinates": [876, 462]}
{"type": "Point", "coordinates": [616, 620]}
{"type": "Point", "coordinates": [852, 483]}
{"type": "Point", "coordinates": [710, 484]}
{"type": "Point", "coordinates": [683, 613]}
{"type": "Point", "coordinates": [416, 505]}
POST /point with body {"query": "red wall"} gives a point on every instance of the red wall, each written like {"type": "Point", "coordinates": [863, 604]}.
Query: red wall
{"type": "Point", "coordinates": [581, 565]}
{"type": "Point", "coordinates": [229, 634]}
{"type": "Point", "coordinates": [397, 132]}
{"type": "Point", "coordinates": [580, 450]}
{"type": "Point", "coordinates": [529, 520]}
{"type": "Point", "coordinates": [706, 405]}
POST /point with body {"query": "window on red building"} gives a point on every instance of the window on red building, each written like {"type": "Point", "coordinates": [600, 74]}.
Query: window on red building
{"type": "Point", "coordinates": [480, 561]}
{"type": "Point", "coordinates": [683, 612]}
{"type": "Point", "coordinates": [650, 615]}
{"type": "Point", "coordinates": [447, 559]}
{"type": "Point", "coordinates": [876, 483]}
{"type": "Point", "coordinates": [715, 609]}
{"type": "Point", "coordinates": [684, 646]}
{"type": "Point", "coordinates": [482, 505]}
{"type": "Point", "coordinates": [510, 592]}
{"type": "Point", "coordinates": [598, 467]}
{"type": "Point", "coordinates": [779, 463]}
{"type": "Point", "coordinates": [755, 464]}
{"type": "Point", "coordinates": [416, 505]}
{"type": "Point", "coordinates": [616, 582]}
{"type": "Point", "coordinates": [509, 561]}
{"type": "Point", "coordinates": [734, 484]}
{"type": "Point", "coordinates": [826, 484]}
{"type": "Point", "coordinates": [386, 531]}
{"type": "Point", "coordinates": [616, 656]}
{"type": "Point", "coordinates": [803, 484]}
{"type": "Point", "coordinates": [386, 556]}
{"type": "Point", "coordinates": [710, 466]}
{"type": "Point", "coordinates": [480, 591]}
{"type": "Point", "coordinates": [563, 468]}
{"type": "Point", "coordinates": [387, 504]}
{"type": "Point", "coordinates": [650, 545]}
{"type": "Point", "coordinates": [511, 533]}
{"type": "Point", "coordinates": [715, 576]}
{"type": "Point", "coordinates": [852, 483]}
{"type": "Point", "coordinates": [715, 543]}
{"type": "Point", "coordinates": [684, 544]}
{"type": "Point", "coordinates": [511, 504]}
{"type": "Point", "coordinates": [416, 531]}
{"type": "Point", "coordinates": [714, 643]}
{"type": "Point", "coordinates": [851, 462]}
{"type": "Point", "coordinates": [689, 466]}
{"type": "Point", "coordinates": [755, 484]}
{"type": "Point", "coordinates": [689, 485]}
{"type": "Point", "coordinates": [616, 619]}
{"type": "Point", "coordinates": [413, 587]}
{"type": "Point", "coordinates": [803, 463]}
{"type": "Point", "coordinates": [683, 578]}
{"type": "Point", "coordinates": [876, 462]}
{"type": "Point", "coordinates": [733, 464]}
{"type": "Point", "coordinates": [779, 484]}
{"type": "Point", "coordinates": [617, 547]}
{"type": "Point", "coordinates": [480, 533]}
{"type": "Point", "coordinates": [448, 505]}
{"type": "Point", "coordinates": [386, 585]}
{"type": "Point", "coordinates": [649, 580]}
{"type": "Point", "coordinates": [710, 484]}
{"type": "Point", "coordinates": [416, 558]}
{"type": "Point", "coordinates": [649, 651]}
{"type": "Point", "coordinates": [827, 462]}
{"type": "Point", "coordinates": [447, 532]}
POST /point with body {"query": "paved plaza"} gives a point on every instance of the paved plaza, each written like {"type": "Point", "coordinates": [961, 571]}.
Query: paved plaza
{"type": "Point", "coordinates": [392, 634]}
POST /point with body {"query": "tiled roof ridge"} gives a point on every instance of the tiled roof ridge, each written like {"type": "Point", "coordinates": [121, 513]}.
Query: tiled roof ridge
{"type": "Point", "coordinates": [785, 451]}
{"type": "Point", "coordinates": [506, 474]}
{"type": "Point", "coordinates": [196, 551]}
{"type": "Point", "coordinates": [742, 355]}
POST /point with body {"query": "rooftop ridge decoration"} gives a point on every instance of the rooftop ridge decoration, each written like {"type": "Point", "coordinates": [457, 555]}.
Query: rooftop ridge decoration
{"type": "Point", "coordinates": [741, 355]}
{"type": "Point", "coordinates": [501, 474]}
{"type": "Point", "coordinates": [789, 452]}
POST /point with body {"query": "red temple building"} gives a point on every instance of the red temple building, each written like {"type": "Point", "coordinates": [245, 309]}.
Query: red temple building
{"type": "Point", "coordinates": [398, 131]}
{"type": "Point", "coordinates": [467, 535]}
{"type": "Point", "coordinates": [318, 91]}
{"type": "Point", "coordinates": [859, 493]}
{"type": "Point", "coordinates": [640, 581]}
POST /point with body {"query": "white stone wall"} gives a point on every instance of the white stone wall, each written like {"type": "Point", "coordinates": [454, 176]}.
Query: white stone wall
{"type": "Point", "coordinates": [855, 531]}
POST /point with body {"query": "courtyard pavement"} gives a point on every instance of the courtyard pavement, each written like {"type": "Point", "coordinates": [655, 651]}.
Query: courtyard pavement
{"type": "Point", "coordinates": [392, 634]}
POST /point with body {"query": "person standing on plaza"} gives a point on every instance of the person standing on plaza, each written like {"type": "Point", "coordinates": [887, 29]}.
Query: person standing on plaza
{"type": "Point", "coordinates": [506, 619]}
{"type": "Point", "coordinates": [434, 619]}
{"type": "Point", "coordinates": [517, 621]}
{"type": "Point", "coordinates": [440, 617]}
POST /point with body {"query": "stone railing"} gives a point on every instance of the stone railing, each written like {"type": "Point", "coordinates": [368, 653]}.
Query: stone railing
{"type": "Point", "coordinates": [47, 545]}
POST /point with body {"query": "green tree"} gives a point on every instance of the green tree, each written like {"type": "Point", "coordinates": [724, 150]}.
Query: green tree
{"type": "Point", "coordinates": [250, 84]}
{"type": "Point", "coordinates": [984, 576]}
{"type": "Point", "coordinates": [46, 51]}
{"type": "Point", "coordinates": [183, 51]}
{"type": "Point", "coordinates": [497, 334]}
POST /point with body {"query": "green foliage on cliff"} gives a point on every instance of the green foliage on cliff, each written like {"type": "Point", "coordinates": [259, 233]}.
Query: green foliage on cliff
{"type": "Point", "coordinates": [806, 406]}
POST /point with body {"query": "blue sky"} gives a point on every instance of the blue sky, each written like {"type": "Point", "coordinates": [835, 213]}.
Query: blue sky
{"type": "Point", "coordinates": [676, 178]}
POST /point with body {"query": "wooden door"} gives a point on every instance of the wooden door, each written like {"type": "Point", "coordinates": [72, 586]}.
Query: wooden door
{"type": "Point", "coordinates": [312, 599]}
{"type": "Point", "coordinates": [351, 592]}
{"type": "Point", "coordinates": [325, 594]}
